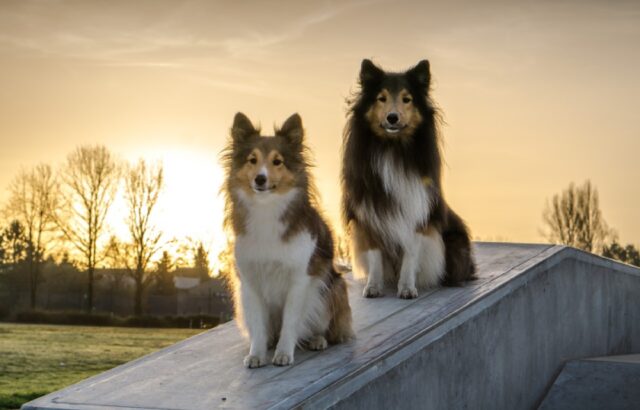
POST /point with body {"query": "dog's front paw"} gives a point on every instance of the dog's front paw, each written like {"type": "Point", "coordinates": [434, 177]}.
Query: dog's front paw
{"type": "Point", "coordinates": [407, 292]}
{"type": "Point", "coordinates": [317, 343]}
{"type": "Point", "coordinates": [282, 359]}
{"type": "Point", "coordinates": [253, 361]}
{"type": "Point", "coordinates": [372, 291]}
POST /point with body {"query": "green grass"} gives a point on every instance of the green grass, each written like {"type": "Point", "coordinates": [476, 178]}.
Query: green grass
{"type": "Point", "coordinates": [38, 359]}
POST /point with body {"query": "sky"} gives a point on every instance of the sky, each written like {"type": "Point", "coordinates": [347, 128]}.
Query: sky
{"type": "Point", "coordinates": [534, 95]}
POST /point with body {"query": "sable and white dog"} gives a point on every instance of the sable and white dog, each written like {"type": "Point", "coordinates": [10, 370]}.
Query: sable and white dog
{"type": "Point", "coordinates": [286, 289]}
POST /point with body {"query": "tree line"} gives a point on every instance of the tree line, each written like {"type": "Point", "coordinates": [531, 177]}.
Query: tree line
{"type": "Point", "coordinates": [67, 209]}
{"type": "Point", "coordinates": [573, 217]}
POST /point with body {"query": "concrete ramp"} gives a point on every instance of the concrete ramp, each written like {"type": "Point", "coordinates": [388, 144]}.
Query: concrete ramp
{"type": "Point", "coordinates": [498, 342]}
{"type": "Point", "coordinates": [611, 382]}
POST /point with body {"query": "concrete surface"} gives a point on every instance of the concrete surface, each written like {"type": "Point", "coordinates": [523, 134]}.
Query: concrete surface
{"type": "Point", "coordinates": [625, 358]}
{"type": "Point", "coordinates": [602, 383]}
{"type": "Point", "coordinates": [498, 342]}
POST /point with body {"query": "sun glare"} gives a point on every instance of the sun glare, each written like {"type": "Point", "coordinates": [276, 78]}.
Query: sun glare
{"type": "Point", "coordinates": [191, 205]}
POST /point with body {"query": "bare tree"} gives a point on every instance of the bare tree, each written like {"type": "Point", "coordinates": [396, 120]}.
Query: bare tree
{"type": "Point", "coordinates": [193, 253]}
{"type": "Point", "coordinates": [115, 253]}
{"type": "Point", "coordinates": [627, 254]}
{"type": "Point", "coordinates": [33, 194]}
{"type": "Point", "coordinates": [89, 183]}
{"type": "Point", "coordinates": [3, 251]}
{"type": "Point", "coordinates": [164, 275]}
{"type": "Point", "coordinates": [225, 262]}
{"type": "Point", "coordinates": [574, 218]}
{"type": "Point", "coordinates": [15, 244]}
{"type": "Point", "coordinates": [143, 184]}
{"type": "Point", "coordinates": [201, 262]}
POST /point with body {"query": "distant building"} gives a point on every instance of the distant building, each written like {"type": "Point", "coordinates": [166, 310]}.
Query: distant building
{"type": "Point", "coordinates": [64, 288]}
{"type": "Point", "coordinates": [184, 283]}
{"type": "Point", "coordinates": [195, 296]}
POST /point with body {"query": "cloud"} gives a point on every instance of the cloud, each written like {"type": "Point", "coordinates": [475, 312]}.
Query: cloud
{"type": "Point", "coordinates": [153, 41]}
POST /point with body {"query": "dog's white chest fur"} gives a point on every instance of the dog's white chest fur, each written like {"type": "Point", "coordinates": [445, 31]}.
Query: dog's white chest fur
{"type": "Point", "coordinates": [279, 299]}
{"type": "Point", "coordinates": [410, 195]}
{"type": "Point", "coordinates": [264, 260]}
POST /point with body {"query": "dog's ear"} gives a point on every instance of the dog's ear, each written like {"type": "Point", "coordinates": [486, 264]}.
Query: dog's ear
{"type": "Point", "coordinates": [421, 73]}
{"type": "Point", "coordinates": [292, 129]}
{"type": "Point", "coordinates": [369, 72]}
{"type": "Point", "coordinates": [242, 127]}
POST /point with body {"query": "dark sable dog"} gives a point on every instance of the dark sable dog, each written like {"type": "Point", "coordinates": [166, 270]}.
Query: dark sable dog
{"type": "Point", "coordinates": [402, 230]}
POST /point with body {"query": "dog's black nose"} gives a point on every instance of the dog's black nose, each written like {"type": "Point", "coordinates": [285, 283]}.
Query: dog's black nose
{"type": "Point", "coordinates": [260, 180]}
{"type": "Point", "coordinates": [392, 118]}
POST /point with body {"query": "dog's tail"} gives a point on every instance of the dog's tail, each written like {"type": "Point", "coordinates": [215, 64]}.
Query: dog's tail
{"type": "Point", "coordinates": [340, 329]}
{"type": "Point", "coordinates": [460, 265]}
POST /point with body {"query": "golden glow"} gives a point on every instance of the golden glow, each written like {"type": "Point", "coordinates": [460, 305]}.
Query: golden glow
{"type": "Point", "coordinates": [534, 95]}
{"type": "Point", "coordinates": [190, 205]}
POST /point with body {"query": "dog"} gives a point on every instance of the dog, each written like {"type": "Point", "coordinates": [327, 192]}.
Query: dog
{"type": "Point", "coordinates": [286, 288]}
{"type": "Point", "coordinates": [402, 230]}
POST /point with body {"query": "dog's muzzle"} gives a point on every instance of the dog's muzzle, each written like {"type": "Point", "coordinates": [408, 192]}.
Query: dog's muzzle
{"type": "Point", "coordinates": [260, 184]}
{"type": "Point", "coordinates": [392, 128]}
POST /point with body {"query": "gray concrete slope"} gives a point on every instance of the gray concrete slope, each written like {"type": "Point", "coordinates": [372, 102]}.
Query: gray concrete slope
{"type": "Point", "coordinates": [497, 342]}
{"type": "Point", "coordinates": [603, 383]}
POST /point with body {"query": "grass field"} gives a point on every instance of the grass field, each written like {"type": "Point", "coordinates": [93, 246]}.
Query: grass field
{"type": "Point", "coordinates": [38, 359]}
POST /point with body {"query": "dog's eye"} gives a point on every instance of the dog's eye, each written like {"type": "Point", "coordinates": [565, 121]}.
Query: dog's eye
{"type": "Point", "coordinates": [253, 160]}
{"type": "Point", "coordinates": [277, 162]}
{"type": "Point", "coordinates": [382, 98]}
{"type": "Point", "coordinates": [406, 100]}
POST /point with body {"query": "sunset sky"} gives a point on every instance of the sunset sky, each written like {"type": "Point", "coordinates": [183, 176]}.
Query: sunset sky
{"type": "Point", "coordinates": [534, 94]}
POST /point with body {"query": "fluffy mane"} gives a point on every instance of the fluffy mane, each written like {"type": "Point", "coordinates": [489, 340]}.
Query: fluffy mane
{"type": "Point", "coordinates": [421, 153]}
